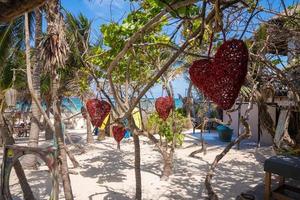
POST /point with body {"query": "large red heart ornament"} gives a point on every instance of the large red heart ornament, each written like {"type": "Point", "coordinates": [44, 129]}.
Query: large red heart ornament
{"type": "Point", "coordinates": [118, 133]}
{"type": "Point", "coordinates": [98, 110]}
{"type": "Point", "coordinates": [163, 106]}
{"type": "Point", "coordinates": [221, 78]}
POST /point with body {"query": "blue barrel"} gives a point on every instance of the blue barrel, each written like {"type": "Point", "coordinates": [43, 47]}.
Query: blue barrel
{"type": "Point", "coordinates": [225, 133]}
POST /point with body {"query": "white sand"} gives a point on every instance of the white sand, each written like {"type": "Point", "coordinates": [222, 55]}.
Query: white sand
{"type": "Point", "coordinates": [107, 173]}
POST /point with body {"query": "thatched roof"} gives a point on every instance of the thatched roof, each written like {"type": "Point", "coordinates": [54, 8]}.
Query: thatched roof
{"type": "Point", "coordinates": [280, 30]}
{"type": "Point", "coordinates": [10, 9]}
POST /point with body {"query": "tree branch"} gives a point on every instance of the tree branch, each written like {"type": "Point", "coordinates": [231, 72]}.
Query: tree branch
{"type": "Point", "coordinates": [246, 134]}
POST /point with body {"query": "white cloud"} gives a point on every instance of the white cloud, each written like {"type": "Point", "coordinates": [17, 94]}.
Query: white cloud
{"type": "Point", "coordinates": [105, 8]}
{"type": "Point", "coordinates": [105, 4]}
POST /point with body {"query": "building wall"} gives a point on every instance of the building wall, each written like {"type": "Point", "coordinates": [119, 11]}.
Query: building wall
{"type": "Point", "coordinates": [266, 139]}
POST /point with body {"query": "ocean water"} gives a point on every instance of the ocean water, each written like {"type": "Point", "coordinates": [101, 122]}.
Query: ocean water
{"type": "Point", "coordinates": [74, 104]}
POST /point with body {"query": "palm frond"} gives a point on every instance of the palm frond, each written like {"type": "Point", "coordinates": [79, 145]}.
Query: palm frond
{"type": "Point", "coordinates": [54, 47]}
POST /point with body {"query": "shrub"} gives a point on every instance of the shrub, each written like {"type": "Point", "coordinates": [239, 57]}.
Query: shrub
{"type": "Point", "coordinates": [166, 129]}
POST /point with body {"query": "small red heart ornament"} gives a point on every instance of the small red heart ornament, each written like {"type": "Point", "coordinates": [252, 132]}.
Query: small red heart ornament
{"type": "Point", "coordinates": [118, 133]}
{"type": "Point", "coordinates": [98, 110]}
{"type": "Point", "coordinates": [221, 78]}
{"type": "Point", "coordinates": [163, 106]}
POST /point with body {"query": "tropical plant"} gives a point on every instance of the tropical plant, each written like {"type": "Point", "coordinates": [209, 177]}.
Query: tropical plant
{"type": "Point", "coordinates": [170, 136]}
{"type": "Point", "coordinates": [54, 52]}
{"type": "Point", "coordinates": [75, 77]}
{"type": "Point", "coordinates": [31, 161]}
{"type": "Point", "coordinates": [135, 69]}
{"type": "Point", "coordinates": [166, 129]}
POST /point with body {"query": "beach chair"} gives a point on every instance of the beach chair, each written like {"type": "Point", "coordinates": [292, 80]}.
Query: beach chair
{"type": "Point", "coordinates": [284, 167]}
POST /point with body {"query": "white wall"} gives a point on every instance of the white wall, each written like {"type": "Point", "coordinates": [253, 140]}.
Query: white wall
{"type": "Point", "coordinates": [266, 139]}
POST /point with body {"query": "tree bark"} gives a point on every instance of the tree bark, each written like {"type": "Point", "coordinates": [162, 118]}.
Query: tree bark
{"type": "Point", "coordinates": [212, 195]}
{"type": "Point", "coordinates": [167, 157]}
{"type": "Point", "coordinates": [168, 165]}
{"type": "Point", "coordinates": [137, 167]}
{"type": "Point", "coordinates": [71, 157]}
{"type": "Point", "coordinates": [60, 139]}
{"type": "Point", "coordinates": [188, 106]}
{"type": "Point", "coordinates": [9, 140]}
{"type": "Point", "coordinates": [31, 161]}
{"type": "Point", "coordinates": [89, 136]}
{"type": "Point", "coordinates": [1, 140]}
{"type": "Point", "coordinates": [48, 131]}
{"type": "Point", "coordinates": [53, 61]}
{"type": "Point", "coordinates": [101, 134]}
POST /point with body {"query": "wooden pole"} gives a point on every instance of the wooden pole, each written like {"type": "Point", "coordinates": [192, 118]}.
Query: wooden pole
{"type": "Point", "coordinates": [239, 116]}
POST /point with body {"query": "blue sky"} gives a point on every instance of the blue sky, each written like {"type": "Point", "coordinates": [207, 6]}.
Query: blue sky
{"type": "Point", "coordinates": [105, 11]}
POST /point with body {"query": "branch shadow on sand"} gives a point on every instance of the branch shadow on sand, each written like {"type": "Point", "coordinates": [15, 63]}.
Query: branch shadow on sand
{"type": "Point", "coordinates": [110, 195]}
{"type": "Point", "coordinates": [107, 167]}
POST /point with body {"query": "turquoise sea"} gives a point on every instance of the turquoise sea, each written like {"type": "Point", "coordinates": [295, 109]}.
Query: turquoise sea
{"type": "Point", "coordinates": [74, 104]}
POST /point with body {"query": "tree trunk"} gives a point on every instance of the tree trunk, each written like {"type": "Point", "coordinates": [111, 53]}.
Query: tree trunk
{"type": "Point", "coordinates": [101, 134]}
{"type": "Point", "coordinates": [60, 139]}
{"type": "Point", "coordinates": [188, 106]}
{"type": "Point", "coordinates": [48, 132]}
{"type": "Point", "coordinates": [31, 161]}
{"type": "Point", "coordinates": [89, 136]}
{"type": "Point", "coordinates": [137, 167]}
{"type": "Point", "coordinates": [1, 140]}
{"type": "Point", "coordinates": [71, 157]}
{"type": "Point", "coordinates": [168, 165]}
{"type": "Point", "coordinates": [127, 75]}
{"type": "Point", "coordinates": [9, 140]}
{"type": "Point", "coordinates": [54, 60]}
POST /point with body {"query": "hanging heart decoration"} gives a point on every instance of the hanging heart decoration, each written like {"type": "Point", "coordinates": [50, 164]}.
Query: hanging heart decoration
{"type": "Point", "coordinates": [163, 106]}
{"type": "Point", "coordinates": [98, 110]}
{"type": "Point", "coordinates": [118, 133]}
{"type": "Point", "coordinates": [221, 78]}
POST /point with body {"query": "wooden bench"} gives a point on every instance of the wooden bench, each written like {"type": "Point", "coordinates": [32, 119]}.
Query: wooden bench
{"type": "Point", "coordinates": [284, 167]}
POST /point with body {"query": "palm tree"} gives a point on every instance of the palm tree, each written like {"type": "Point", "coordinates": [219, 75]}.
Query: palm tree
{"type": "Point", "coordinates": [8, 41]}
{"type": "Point", "coordinates": [78, 31]}
{"type": "Point", "coordinates": [30, 161]}
{"type": "Point", "coordinates": [11, 48]}
{"type": "Point", "coordinates": [11, 52]}
{"type": "Point", "coordinates": [54, 54]}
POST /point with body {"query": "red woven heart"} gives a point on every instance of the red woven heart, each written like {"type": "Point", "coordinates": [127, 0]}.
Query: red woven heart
{"type": "Point", "coordinates": [221, 79]}
{"type": "Point", "coordinates": [97, 110]}
{"type": "Point", "coordinates": [118, 133]}
{"type": "Point", "coordinates": [163, 106]}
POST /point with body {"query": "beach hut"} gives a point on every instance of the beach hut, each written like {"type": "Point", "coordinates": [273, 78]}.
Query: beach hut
{"type": "Point", "coordinates": [281, 38]}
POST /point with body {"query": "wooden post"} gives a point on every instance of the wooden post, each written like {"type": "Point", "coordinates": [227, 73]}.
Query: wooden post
{"type": "Point", "coordinates": [259, 130]}
{"type": "Point", "coordinates": [110, 126]}
{"type": "Point", "coordinates": [267, 186]}
{"type": "Point", "coordinates": [239, 117]}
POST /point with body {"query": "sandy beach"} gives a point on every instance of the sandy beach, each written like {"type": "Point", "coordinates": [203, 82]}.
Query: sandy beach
{"type": "Point", "coordinates": [106, 173]}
